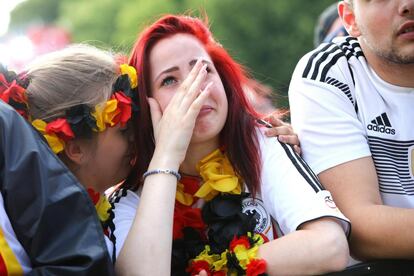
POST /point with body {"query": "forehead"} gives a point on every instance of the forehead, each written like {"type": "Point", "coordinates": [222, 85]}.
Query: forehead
{"type": "Point", "coordinates": [176, 50]}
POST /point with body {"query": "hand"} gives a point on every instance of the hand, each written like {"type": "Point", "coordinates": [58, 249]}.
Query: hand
{"type": "Point", "coordinates": [173, 128]}
{"type": "Point", "coordinates": [283, 131]}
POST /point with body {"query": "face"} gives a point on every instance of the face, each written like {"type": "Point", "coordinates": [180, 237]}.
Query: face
{"type": "Point", "coordinates": [108, 160]}
{"type": "Point", "coordinates": [171, 60]}
{"type": "Point", "coordinates": [386, 28]}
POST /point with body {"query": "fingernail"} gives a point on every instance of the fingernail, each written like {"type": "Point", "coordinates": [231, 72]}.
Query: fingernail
{"type": "Point", "coordinates": [281, 139]}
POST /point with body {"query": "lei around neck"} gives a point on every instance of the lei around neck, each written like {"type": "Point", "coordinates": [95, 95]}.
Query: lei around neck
{"type": "Point", "coordinates": [218, 238]}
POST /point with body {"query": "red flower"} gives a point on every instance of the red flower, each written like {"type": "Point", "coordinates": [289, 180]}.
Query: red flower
{"type": "Point", "coordinates": [93, 195]}
{"type": "Point", "coordinates": [191, 184]}
{"type": "Point", "coordinates": [61, 128]}
{"type": "Point", "coordinates": [256, 267]}
{"type": "Point", "coordinates": [197, 266]}
{"type": "Point", "coordinates": [11, 90]}
{"type": "Point", "coordinates": [124, 109]}
{"type": "Point", "coordinates": [243, 240]}
{"type": "Point", "coordinates": [185, 216]}
{"type": "Point", "coordinates": [220, 273]}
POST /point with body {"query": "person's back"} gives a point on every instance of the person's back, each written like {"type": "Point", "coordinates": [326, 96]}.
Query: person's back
{"type": "Point", "coordinates": [351, 103]}
{"type": "Point", "coordinates": [46, 208]}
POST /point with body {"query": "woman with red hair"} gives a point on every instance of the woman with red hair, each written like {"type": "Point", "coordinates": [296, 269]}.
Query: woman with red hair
{"type": "Point", "coordinates": [217, 196]}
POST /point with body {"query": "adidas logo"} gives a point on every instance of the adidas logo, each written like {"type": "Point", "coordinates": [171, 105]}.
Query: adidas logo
{"type": "Point", "coordinates": [381, 124]}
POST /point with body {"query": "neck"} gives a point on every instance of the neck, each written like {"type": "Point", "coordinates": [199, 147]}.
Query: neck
{"type": "Point", "coordinates": [196, 152]}
{"type": "Point", "coordinates": [394, 73]}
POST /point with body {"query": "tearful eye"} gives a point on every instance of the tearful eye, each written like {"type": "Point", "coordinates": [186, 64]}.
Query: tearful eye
{"type": "Point", "coordinates": [168, 81]}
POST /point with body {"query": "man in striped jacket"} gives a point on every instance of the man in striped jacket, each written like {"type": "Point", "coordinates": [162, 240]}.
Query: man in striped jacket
{"type": "Point", "coordinates": [352, 104]}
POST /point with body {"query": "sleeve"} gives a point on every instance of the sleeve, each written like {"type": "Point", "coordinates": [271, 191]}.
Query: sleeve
{"type": "Point", "coordinates": [51, 214]}
{"type": "Point", "coordinates": [290, 190]}
{"type": "Point", "coordinates": [324, 117]}
{"type": "Point", "coordinates": [125, 204]}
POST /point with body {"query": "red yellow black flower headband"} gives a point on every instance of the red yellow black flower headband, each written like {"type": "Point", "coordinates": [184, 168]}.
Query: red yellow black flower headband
{"type": "Point", "coordinates": [80, 120]}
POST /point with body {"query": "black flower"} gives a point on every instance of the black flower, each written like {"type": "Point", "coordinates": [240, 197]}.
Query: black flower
{"type": "Point", "coordinates": [81, 121]}
{"type": "Point", "coordinates": [225, 219]}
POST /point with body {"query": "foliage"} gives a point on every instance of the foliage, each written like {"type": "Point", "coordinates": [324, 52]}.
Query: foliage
{"type": "Point", "coordinates": [267, 36]}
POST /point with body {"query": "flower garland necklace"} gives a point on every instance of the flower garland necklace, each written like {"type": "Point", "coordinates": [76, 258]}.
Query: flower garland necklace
{"type": "Point", "coordinates": [218, 238]}
{"type": "Point", "coordinates": [102, 207]}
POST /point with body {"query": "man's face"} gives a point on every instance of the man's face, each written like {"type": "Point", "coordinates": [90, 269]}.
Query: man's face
{"type": "Point", "coordinates": [386, 28]}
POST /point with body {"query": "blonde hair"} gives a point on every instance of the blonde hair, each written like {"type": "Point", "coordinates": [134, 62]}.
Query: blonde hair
{"type": "Point", "coordinates": [79, 74]}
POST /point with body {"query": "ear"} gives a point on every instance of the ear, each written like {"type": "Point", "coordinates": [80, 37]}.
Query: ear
{"type": "Point", "coordinates": [75, 152]}
{"type": "Point", "coordinates": [347, 14]}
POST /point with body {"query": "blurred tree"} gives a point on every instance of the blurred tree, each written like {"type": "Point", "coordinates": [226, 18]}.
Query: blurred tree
{"type": "Point", "coordinates": [267, 36]}
{"type": "Point", "coordinates": [35, 12]}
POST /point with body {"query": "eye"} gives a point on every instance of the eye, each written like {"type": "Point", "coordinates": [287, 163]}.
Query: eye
{"type": "Point", "coordinates": [208, 69]}
{"type": "Point", "coordinates": [168, 81]}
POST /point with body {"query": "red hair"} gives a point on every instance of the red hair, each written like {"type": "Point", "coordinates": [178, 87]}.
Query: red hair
{"type": "Point", "coordinates": [239, 134]}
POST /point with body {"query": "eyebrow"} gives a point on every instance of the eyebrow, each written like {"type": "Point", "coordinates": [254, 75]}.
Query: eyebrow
{"type": "Point", "coordinates": [175, 68]}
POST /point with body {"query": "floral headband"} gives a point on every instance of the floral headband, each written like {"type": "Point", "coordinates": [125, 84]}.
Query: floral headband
{"type": "Point", "coordinates": [81, 120]}
{"type": "Point", "coordinates": [12, 90]}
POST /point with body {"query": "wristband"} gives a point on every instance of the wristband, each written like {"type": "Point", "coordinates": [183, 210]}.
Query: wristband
{"type": "Point", "coordinates": [165, 171]}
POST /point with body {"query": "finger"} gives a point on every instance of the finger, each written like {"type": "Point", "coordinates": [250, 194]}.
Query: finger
{"type": "Point", "coordinates": [297, 149]}
{"type": "Point", "coordinates": [195, 88]}
{"type": "Point", "coordinates": [274, 120]}
{"type": "Point", "coordinates": [196, 106]}
{"type": "Point", "coordinates": [192, 76]}
{"type": "Point", "coordinates": [202, 273]}
{"type": "Point", "coordinates": [155, 111]}
{"type": "Point", "coordinates": [280, 130]}
{"type": "Point", "coordinates": [289, 139]}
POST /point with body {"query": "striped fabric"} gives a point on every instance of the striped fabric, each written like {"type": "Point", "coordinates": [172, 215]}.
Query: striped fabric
{"type": "Point", "coordinates": [9, 265]}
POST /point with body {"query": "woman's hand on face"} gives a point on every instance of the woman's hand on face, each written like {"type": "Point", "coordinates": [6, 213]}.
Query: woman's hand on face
{"type": "Point", "coordinates": [174, 127]}
{"type": "Point", "coordinates": [283, 131]}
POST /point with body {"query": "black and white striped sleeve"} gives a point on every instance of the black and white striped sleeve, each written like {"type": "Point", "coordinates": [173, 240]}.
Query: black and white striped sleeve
{"type": "Point", "coordinates": [290, 190]}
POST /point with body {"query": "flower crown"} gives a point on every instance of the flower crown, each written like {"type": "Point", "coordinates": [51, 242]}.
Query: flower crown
{"type": "Point", "coordinates": [12, 90]}
{"type": "Point", "coordinates": [80, 120]}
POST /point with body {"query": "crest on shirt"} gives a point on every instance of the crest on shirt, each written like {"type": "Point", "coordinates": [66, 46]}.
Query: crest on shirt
{"type": "Point", "coordinates": [263, 221]}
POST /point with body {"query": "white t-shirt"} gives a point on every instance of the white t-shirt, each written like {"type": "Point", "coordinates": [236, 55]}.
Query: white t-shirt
{"type": "Point", "coordinates": [12, 254]}
{"type": "Point", "coordinates": [290, 196]}
{"type": "Point", "coordinates": [343, 111]}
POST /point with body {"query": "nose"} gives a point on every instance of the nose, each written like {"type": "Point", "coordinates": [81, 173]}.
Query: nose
{"type": "Point", "coordinates": [406, 8]}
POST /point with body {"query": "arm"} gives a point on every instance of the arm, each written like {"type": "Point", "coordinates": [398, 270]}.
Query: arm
{"type": "Point", "coordinates": [317, 247]}
{"type": "Point", "coordinates": [314, 240]}
{"type": "Point", "coordinates": [333, 142]}
{"type": "Point", "coordinates": [52, 215]}
{"type": "Point", "coordinates": [378, 231]}
{"type": "Point", "coordinates": [148, 246]}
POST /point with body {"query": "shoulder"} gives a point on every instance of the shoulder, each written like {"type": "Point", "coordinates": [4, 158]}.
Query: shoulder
{"type": "Point", "coordinates": [330, 61]}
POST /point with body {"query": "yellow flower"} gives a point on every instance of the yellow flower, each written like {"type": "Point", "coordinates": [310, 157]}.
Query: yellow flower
{"type": "Point", "coordinates": [244, 255]}
{"type": "Point", "coordinates": [131, 72]}
{"type": "Point", "coordinates": [218, 175]}
{"type": "Point", "coordinates": [104, 114]}
{"type": "Point", "coordinates": [221, 263]}
{"type": "Point", "coordinates": [102, 207]}
{"type": "Point", "coordinates": [56, 144]}
{"type": "Point", "coordinates": [205, 256]}
{"type": "Point", "coordinates": [182, 197]}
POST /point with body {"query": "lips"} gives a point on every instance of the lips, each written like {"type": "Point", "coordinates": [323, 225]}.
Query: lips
{"type": "Point", "coordinates": [406, 28]}
{"type": "Point", "coordinates": [205, 109]}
